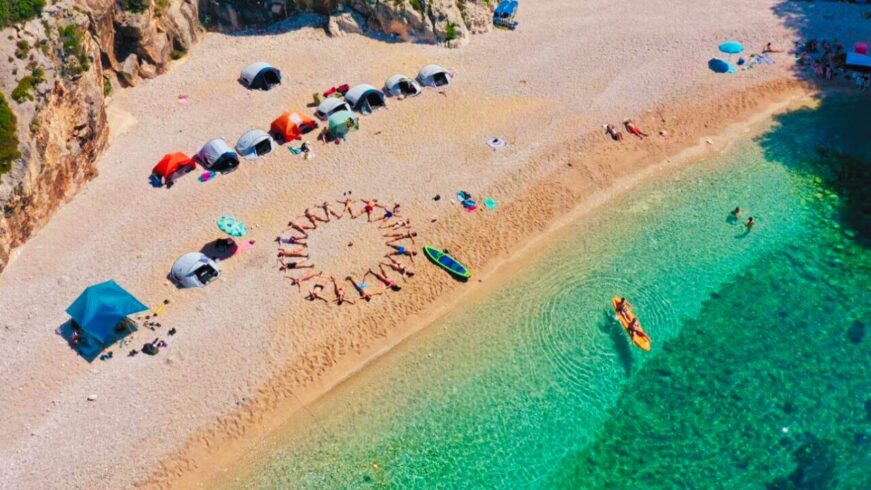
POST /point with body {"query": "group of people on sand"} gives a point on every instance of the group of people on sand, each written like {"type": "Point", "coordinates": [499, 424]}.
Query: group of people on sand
{"type": "Point", "coordinates": [833, 57]}
{"type": "Point", "coordinates": [632, 128]}
{"type": "Point", "coordinates": [397, 263]}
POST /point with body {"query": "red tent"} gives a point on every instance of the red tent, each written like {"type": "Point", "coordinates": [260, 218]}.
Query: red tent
{"type": "Point", "coordinates": [291, 125]}
{"type": "Point", "coordinates": [172, 166]}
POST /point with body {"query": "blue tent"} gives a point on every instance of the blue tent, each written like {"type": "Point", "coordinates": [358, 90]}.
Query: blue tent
{"type": "Point", "coordinates": [101, 307]}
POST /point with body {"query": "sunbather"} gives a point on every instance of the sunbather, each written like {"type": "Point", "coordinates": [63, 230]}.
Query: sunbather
{"type": "Point", "coordinates": [369, 206]}
{"type": "Point", "coordinates": [313, 218]}
{"type": "Point", "coordinates": [346, 207]}
{"type": "Point", "coordinates": [395, 225]}
{"type": "Point", "coordinates": [383, 278]}
{"type": "Point", "coordinates": [297, 281]}
{"type": "Point", "coordinates": [632, 128]}
{"type": "Point", "coordinates": [395, 237]}
{"type": "Point", "coordinates": [292, 240]}
{"type": "Point", "coordinates": [294, 252]}
{"type": "Point", "coordinates": [397, 266]}
{"type": "Point", "coordinates": [612, 131]}
{"type": "Point", "coordinates": [296, 264]}
{"type": "Point", "coordinates": [361, 289]}
{"type": "Point", "coordinates": [340, 293]}
{"type": "Point", "coordinates": [315, 293]}
{"type": "Point", "coordinates": [400, 251]}
{"type": "Point", "coordinates": [328, 211]}
{"type": "Point", "coordinates": [300, 227]}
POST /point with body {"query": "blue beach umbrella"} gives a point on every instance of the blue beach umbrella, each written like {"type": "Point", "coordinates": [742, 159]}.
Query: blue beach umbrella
{"type": "Point", "coordinates": [721, 66]}
{"type": "Point", "coordinates": [731, 47]}
{"type": "Point", "coordinates": [232, 226]}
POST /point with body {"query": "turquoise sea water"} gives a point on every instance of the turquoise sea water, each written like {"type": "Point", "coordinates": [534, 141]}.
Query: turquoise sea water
{"type": "Point", "coordinates": [760, 375]}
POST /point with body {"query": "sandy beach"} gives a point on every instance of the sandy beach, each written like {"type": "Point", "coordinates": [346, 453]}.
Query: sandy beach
{"type": "Point", "coordinates": [249, 347]}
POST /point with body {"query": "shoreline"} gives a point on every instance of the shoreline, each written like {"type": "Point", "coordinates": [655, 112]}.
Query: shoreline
{"type": "Point", "coordinates": [207, 458]}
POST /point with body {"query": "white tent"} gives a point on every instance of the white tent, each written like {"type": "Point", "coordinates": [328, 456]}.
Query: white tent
{"type": "Point", "coordinates": [401, 85]}
{"type": "Point", "coordinates": [217, 155]}
{"type": "Point", "coordinates": [330, 106]}
{"type": "Point", "coordinates": [260, 75]}
{"type": "Point", "coordinates": [434, 76]}
{"type": "Point", "coordinates": [193, 270]}
{"type": "Point", "coordinates": [255, 143]}
{"type": "Point", "coordinates": [365, 98]}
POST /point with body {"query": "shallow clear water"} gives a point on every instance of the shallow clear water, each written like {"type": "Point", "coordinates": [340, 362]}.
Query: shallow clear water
{"type": "Point", "coordinates": [760, 372]}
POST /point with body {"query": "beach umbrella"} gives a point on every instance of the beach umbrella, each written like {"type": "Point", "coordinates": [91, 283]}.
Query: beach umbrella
{"type": "Point", "coordinates": [731, 47]}
{"type": "Point", "coordinates": [861, 48]}
{"type": "Point", "coordinates": [232, 226]}
{"type": "Point", "coordinates": [721, 66]}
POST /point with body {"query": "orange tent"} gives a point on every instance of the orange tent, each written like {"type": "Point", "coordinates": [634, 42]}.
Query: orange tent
{"type": "Point", "coordinates": [291, 125]}
{"type": "Point", "coordinates": [172, 165]}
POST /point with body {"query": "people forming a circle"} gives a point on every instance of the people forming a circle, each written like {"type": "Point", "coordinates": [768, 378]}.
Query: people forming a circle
{"type": "Point", "coordinates": [396, 264]}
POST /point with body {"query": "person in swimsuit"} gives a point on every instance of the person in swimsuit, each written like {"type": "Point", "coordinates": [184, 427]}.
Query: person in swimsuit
{"type": "Point", "coordinates": [622, 309]}
{"type": "Point", "coordinates": [401, 251]}
{"type": "Point", "coordinates": [292, 240]}
{"type": "Point", "coordinates": [297, 281]}
{"type": "Point", "coordinates": [361, 288]}
{"type": "Point", "coordinates": [340, 293]}
{"type": "Point", "coordinates": [302, 228]}
{"type": "Point", "coordinates": [406, 223]}
{"type": "Point", "coordinates": [395, 237]}
{"type": "Point", "coordinates": [612, 131]}
{"type": "Point", "coordinates": [750, 223]}
{"type": "Point", "coordinates": [735, 212]}
{"type": "Point", "coordinates": [397, 266]}
{"type": "Point", "coordinates": [632, 128]}
{"type": "Point", "coordinates": [313, 218]}
{"type": "Point", "coordinates": [329, 211]}
{"type": "Point", "coordinates": [297, 264]}
{"type": "Point", "coordinates": [315, 293]}
{"type": "Point", "coordinates": [346, 207]}
{"type": "Point", "coordinates": [296, 252]}
{"type": "Point", "coordinates": [369, 206]}
{"type": "Point", "coordinates": [384, 278]}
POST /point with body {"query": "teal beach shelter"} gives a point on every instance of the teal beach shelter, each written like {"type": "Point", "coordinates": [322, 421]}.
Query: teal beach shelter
{"type": "Point", "coordinates": [101, 308]}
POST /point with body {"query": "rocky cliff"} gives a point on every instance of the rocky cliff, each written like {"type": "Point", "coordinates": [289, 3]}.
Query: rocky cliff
{"type": "Point", "coordinates": [63, 65]}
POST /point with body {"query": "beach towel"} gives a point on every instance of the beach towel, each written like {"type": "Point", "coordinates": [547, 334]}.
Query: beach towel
{"type": "Point", "coordinates": [489, 203]}
{"type": "Point", "coordinates": [295, 151]}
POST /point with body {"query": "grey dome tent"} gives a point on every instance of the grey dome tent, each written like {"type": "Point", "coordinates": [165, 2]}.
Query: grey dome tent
{"type": "Point", "coordinates": [217, 155]}
{"type": "Point", "coordinates": [260, 75]}
{"type": "Point", "coordinates": [331, 106]}
{"type": "Point", "coordinates": [255, 143]}
{"type": "Point", "coordinates": [365, 98]}
{"type": "Point", "coordinates": [434, 76]}
{"type": "Point", "coordinates": [401, 85]}
{"type": "Point", "coordinates": [193, 270]}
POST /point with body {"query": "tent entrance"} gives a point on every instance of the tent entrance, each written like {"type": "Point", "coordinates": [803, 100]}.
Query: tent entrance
{"type": "Point", "coordinates": [440, 79]}
{"type": "Point", "coordinates": [205, 274]}
{"type": "Point", "coordinates": [263, 147]}
{"type": "Point", "coordinates": [407, 88]}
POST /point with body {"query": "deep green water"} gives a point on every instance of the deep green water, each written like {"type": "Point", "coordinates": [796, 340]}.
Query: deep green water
{"type": "Point", "coordinates": [760, 374]}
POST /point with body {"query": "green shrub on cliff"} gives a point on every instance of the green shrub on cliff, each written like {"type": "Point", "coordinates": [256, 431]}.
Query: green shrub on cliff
{"type": "Point", "coordinates": [8, 136]}
{"type": "Point", "coordinates": [76, 60]}
{"type": "Point", "coordinates": [451, 32]}
{"type": "Point", "coordinates": [14, 11]}
{"type": "Point", "coordinates": [26, 86]}
{"type": "Point", "coordinates": [135, 6]}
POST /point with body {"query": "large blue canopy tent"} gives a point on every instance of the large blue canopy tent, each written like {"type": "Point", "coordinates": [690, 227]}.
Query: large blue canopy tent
{"type": "Point", "coordinates": [101, 308]}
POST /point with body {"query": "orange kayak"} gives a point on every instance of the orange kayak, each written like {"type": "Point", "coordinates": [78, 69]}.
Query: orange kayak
{"type": "Point", "coordinates": [640, 337]}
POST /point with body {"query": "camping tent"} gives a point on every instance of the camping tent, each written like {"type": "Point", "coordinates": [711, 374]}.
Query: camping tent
{"type": "Point", "coordinates": [217, 155]}
{"type": "Point", "coordinates": [401, 85]}
{"type": "Point", "coordinates": [291, 126]}
{"type": "Point", "coordinates": [434, 76]}
{"type": "Point", "coordinates": [173, 166]}
{"type": "Point", "coordinates": [193, 270]}
{"type": "Point", "coordinates": [100, 310]}
{"type": "Point", "coordinates": [330, 106]}
{"type": "Point", "coordinates": [341, 123]}
{"type": "Point", "coordinates": [260, 75]}
{"type": "Point", "coordinates": [858, 62]}
{"type": "Point", "coordinates": [365, 98]}
{"type": "Point", "coordinates": [255, 143]}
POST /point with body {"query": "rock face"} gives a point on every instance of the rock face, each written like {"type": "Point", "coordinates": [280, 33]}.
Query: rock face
{"type": "Point", "coordinates": [449, 22]}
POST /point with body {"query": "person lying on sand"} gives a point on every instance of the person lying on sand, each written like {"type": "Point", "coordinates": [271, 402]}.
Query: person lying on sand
{"type": "Point", "coordinates": [329, 211]}
{"type": "Point", "coordinates": [315, 293]}
{"type": "Point", "coordinates": [405, 223]}
{"type": "Point", "coordinates": [313, 218]}
{"type": "Point", "coordinates": [395, 237]}
{"type": "Point", "coordinates": [632, 128]}
{"type": "Point", "coordinates": [398, 266]}
{"type": "Point", "coordinates": [292, 240]}
{"type": "Point", "coordinates": [770, 49]}
{"type": "Point", "coordinates": [383, 278]}
{"type": "Point", "coordinates": [297, 281]}
{"type": "Point", "coordinates": [361, 288]}
{"type": "Point", "coordinates": [400, 251]}
{"type": "Point", "coordinates": [346, 207]}
{"type": "Point", "coordinates": [340, 293]}
{"type": "Point", "coordinates": [300, 227]}
{"type": "Point", "coordinates": [612, 131]}
{"type": "Point", "coordinates": [389, 213]}
{"type": "Point", "coordinates": [294, 252]}
{"type": "Point", "coordinates": [369, 206]}
{"type": "Point", "coordinates": [296, 264]}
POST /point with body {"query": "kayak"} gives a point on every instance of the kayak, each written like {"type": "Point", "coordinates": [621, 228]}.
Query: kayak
{"type": "Point", "coordinates": [642, 340]}
{"type": "Point", "coordinates": [447, 262]}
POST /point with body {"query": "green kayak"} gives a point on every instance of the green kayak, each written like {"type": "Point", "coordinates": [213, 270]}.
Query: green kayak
{"type": "Point", "coordinates": [447, 262]}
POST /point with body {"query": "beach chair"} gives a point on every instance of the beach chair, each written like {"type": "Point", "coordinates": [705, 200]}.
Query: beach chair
{"type": "Point", "coordinates": [504, 14]}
